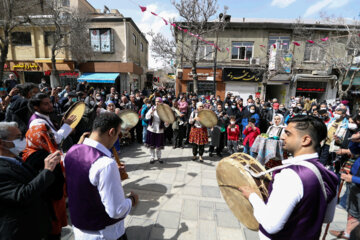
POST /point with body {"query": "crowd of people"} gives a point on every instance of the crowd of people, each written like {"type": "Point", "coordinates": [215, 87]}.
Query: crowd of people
{"type": "Point", "coordinates": [34, 137]}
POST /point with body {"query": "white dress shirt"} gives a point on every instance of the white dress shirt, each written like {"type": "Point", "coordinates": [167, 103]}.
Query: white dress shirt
{"type": "Point", "coordinates": [104, 174]}
{"type": "Point", "coordinates": [287, 191]}
{"type": "Point", "coordinates": [59, 135]}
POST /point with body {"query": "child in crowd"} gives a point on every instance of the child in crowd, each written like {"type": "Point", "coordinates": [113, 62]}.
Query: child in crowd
{"type": "Point", "coordinates": [251, 132]}
{"type": "Point", "coordinates": [233, 132]}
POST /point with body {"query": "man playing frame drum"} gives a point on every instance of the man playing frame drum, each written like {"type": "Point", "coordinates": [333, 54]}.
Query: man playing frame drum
{"type": "Point", "coordinates": [302, 194]}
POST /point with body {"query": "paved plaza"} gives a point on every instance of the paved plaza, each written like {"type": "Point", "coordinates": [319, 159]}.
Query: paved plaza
{"type": "Point", "coordinates": [180, 199]}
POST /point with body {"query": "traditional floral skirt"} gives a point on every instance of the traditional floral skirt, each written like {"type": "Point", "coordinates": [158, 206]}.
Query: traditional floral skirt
{"type": "Point", "coordinates": [198, 136]}
{"type": "Point", "coordinates": [155, 140]}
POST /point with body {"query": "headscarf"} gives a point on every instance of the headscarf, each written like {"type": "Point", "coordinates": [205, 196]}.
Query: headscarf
{"type": "Point", "coordinates": [109, 102]}
{"type": "Point", "coordinates": [281, 119]}
{"type": "Point", "coordinates": [159, 99]}
{"type": "Point", "coordinates": [199, 104]}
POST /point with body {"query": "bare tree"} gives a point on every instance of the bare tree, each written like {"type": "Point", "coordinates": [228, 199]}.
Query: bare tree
{"type": "Point", "coordinates": [338, 49]}
{"type": "Point", "coordinates": [69, 32]}
{"type": "Point", "coordinates": [197, 17]}
{"type": "Point", "coordinates": [13, 14]}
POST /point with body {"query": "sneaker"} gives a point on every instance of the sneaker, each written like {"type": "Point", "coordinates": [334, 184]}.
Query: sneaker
{"type": "Point", "coordinates": [152, 161]}
{"type": "Point", "coordinates": [160, 161]}
{"type": "Point", "coordinates": [339, 234]}
{"type": "Point", "coordinates": [194, 158]}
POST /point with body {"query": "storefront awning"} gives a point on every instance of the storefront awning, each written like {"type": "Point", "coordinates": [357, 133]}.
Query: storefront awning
{"type": "Point", "coordinates": [356, 81]}
{"type": "Point", "coordinates": [98, 77]}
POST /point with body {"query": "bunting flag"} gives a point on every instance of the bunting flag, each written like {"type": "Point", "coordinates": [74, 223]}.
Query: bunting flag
{"type": "Point", "coordinates": [274, 46]}
{"type": "Point", "coordinates": [227, 49]}
{"type": "Point", "coordinates": [296, 43]}
{"type": "Point", "coordinates": [153, 13]}
{"type": "Point", "coordinates": [166, 22]}
{"type": "Point", "coordinates": [143, 9]}
{"type": "Point", "coordinates": [173, 24]}
{"type": "Point", "coordinates": [324, 39]}
{"type": "Point", "coordinates": [179, 28]}
{"type": "Point", "coordinates": [262, 45]}
{"type": "Point", "coordinates": [185, 30]}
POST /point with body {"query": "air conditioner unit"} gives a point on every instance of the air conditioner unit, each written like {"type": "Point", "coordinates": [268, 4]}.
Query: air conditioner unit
{"type": "Point", "coordinates": [254, 61]}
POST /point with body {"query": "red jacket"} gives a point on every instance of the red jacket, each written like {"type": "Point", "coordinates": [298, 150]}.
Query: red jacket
{"type": "Point", "coordinates": [233, 133]}
{"type": "Point", "coordinates": [251, 135]}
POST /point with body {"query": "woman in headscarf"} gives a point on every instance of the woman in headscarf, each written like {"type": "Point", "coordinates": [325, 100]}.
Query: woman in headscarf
{"type": "Point", "coordinates": [155, 137]}
{"type": "Point", "coordinates": [277, 128]}
{"type": "Point", "coordinates": [198, 133]}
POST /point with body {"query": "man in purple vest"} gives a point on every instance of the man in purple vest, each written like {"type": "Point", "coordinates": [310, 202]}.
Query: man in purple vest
{"type": "Point", "coordinates": [302, 195]}
{"type": "Point", "coordinates": [97, 203]}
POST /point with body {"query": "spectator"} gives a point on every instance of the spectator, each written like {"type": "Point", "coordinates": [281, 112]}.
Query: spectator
{"type": "Point", "coordinates": [251, 132]}
{"type": "Point", "coordinates": [10, 83]}
{"type": "Point", "coordinates": [233, 132]}
{"type": "Point", "coordinates": [81, 86]}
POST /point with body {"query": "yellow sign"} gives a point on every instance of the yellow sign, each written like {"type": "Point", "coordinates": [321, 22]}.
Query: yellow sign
{"type": "Point", "coordinates": [31, 66]}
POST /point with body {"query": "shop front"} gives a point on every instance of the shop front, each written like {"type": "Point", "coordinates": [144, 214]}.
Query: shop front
{"type": "Point", "coordinates": [242, 82]}
{"type": "Point", "coordinates": [277, 87]}
{"type": "Point", "coordinates": [205, 82]}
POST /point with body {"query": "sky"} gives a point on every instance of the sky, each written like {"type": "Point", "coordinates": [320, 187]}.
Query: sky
{"type": "Point", "coordinates": [283, 9]}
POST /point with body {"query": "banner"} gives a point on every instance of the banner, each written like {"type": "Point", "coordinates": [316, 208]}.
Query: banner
{"type": "Point", "coordinates": [95, 40]}
{"type": "Point", "coordinates": [105, 41]}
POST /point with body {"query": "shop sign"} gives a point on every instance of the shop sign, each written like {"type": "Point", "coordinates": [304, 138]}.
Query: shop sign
{"type": "Point", "coordinates": [202, 74]}
{"type": "Point", "coordinates": [311, 89]}
{"type": "Point", "coordinates": [286, 64]}
{"type": "Point", "coordinates": [246, 75]}
{"type": "Point", "coordinates": [69, 74]}
{"type": "Point", "coordinates": [30, 66]}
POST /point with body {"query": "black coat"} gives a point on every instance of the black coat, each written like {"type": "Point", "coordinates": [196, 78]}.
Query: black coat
{"type": "Point", "coordinates": [24, 214]}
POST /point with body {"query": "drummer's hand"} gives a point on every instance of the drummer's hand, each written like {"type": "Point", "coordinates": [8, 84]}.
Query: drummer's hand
{"type": "Point", "coordinates": [83, 136]}
{"type": "Point", "coordinates": [70, 120]}
{"type": "Point", "coordinates": [246, 191]}
{"type": "Point", "coordinates": [346, 177]}
{"type": "Point", "coordinates": [136, 198]}
{"type": "Point", "coordinates": [197, 119]}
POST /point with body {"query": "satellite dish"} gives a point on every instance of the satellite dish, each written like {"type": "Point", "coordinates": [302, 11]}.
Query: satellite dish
{"type": "Point", "coordinates": [106, 9]}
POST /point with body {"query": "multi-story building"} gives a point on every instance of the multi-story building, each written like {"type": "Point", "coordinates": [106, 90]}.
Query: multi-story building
{"type": "Point", "coordinates": [258, 48]}
{"type": "Point", "coordinates": [120, 51]}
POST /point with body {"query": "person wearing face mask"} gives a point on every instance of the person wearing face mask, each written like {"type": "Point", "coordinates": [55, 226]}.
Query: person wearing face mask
{"type": "Point", "coordinates": [337, 128]}
{"type": "Point", "coordinates": [324, 115]}
{"type": "Point", "coordinates": [23, 190]}
{"type": "Point", "coordinates": [92, 173]}
{"type": "Point", "coordinates": [247, 116]}
{"type": "Point", "coordinates": [233, 132]}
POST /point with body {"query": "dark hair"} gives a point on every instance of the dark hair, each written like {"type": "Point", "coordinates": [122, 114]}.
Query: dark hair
{"type": "Point", "coordinates": [26, 88]}
{"type": "Point", "coordinates": [313, 126]}
{"type": "Point", "coordinates": [106, 121]}
{"type": "Point", "coordinates": [323, 111]}
{"type": "Point", "coordinates": [35, 101]}
{"type": "Point", "coordinates": [356, 118]}
{"type": "Point", "coordinates": [296, 110]}
{"type": "Point", "coordinates": [252, 120]}
{"type": "Point", "coordinates": [342, 110]}
{"type": "Point", "coordinates": [232, 117]}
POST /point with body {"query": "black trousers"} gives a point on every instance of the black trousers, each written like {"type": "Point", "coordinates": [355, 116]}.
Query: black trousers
{"type": "Point", "coordinates": [201, 149]}
{"type": "Point", "coordinates": [179, 135]}
{"type": "Point", "coordinates": [123, 237]}
{"type": "Point", "coordinates": [139, 132]}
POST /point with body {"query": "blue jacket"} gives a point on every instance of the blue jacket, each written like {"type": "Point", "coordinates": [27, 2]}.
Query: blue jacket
{"type": "Point", "coordinates": [144, 110]}
{"type": "Point", "coordinates": [355, 149]}
{"type": "Point", "coordinates": [245, 121]}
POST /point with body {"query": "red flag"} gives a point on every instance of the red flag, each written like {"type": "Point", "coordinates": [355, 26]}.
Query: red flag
{"type": "Point", "coordinates": [153, 13]}
{"type": "Point", "coordinates": [310, 41]}
{"type": "Point", "coordinates": [359, 34]}
{"type": "Point", "coordinates": [173, 24]}
{"type": "Point", "coordinates": [296, 43]}
{"type": "Point", "coordinates": [274, 45]}
{"type": "Point", "coordinates": [227, 49]}
{"type": "Point", "coordinates": [166, 23]}
{"type": "Point", "coordinates": [179, 28]}
{"type": "Point", "coordinates": [185, 30]}
{"type": "Point", "coordinates": [262, 45]}
{"type": "Point", "coordinates": [143, 9]}
{"type": "Point", "coordinates": [324, 39]}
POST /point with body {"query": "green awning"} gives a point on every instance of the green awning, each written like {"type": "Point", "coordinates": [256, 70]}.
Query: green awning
{"type": "Point", "coordinates": [356, 81]}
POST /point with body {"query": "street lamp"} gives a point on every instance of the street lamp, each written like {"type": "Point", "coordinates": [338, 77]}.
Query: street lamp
{"type": "Point", "coordinates": [223, 19]}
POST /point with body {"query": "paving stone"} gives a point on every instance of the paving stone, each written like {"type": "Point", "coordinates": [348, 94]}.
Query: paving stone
{"type": "Point", "coordinates": [168, 219]}
{"type": "Point", "coordinates": [165, 177]}
{"type": "Point", "coordinates": [251, 234]}
{"type": "Point", "coordinates": [192, 190]}
{"type": "Point", "coordinates": [159, 232]}
{"type": "Point", "coordinates": [231, 234]}
{"type": "Point", "coordinates": [221, 206]}
{"type": "Point", "coordinates": [172, 204]}
{"type": "Point", "coordinates": [210, 191]}
{"type": "Point", "coordinates": [226, 219]}
{"type": "Point", "coordinates": [209, 182]}
{"type": "Point", "coordinates": [206, 204]}
{"type": "Point", "coordinates": [188, 230]}
{"type": "Point", "coordinates": [207, 230]}
{"type": "Point", "coordinates": [206, 213]}
{"type": "Point", "coordinates": [139, 228]}
{"type": "Point", "coordinates": [190, 209]}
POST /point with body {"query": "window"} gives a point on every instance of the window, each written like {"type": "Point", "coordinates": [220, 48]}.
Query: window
{"type": "Point", "coordinates": [205, 52]}
{"type": "Point", "coordinates": [282, 42]}
{"type": "Point", "coordinates": [142, 47]}
{"type": "Point", "coordinates": [242, 50]}
{"type": "Point", "coordinates": [65, 3]}
{"type": "Point", "coordinates": [102, 40]}
{"type": "Point", "coordinates": [49, 38]}
{"type": "Point", "coordinates": [134, 38]}
{"type": "Point", "coordinates": [313, 53]}
{"type": "Point", "coordinates": [21, 38]}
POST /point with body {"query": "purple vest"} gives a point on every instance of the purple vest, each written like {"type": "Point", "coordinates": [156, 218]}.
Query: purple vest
{"type": "Point", "coordinates": [35, 116]}
{"type": "Point", "coordinates": [86, 209]}
{"type": "Point", "coordinates": [306, 220]}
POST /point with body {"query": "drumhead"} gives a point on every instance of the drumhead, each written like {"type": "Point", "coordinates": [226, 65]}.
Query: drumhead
{"type": "Point", "coordinates": [77, 109]}
{"type": "Point", "coordinates": [165, 113]}
{"type": "Point", "coordinates": [230, 174]}
{"type": "Point", "coordinates": [208, 118]}
{"type": "Point", "coordinates": [129, 119]}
